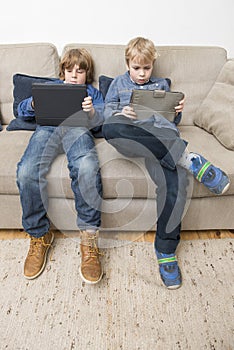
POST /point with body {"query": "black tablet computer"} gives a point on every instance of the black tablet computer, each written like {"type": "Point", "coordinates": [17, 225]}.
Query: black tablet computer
{"type": "Point", "coordinates": [57, 104]}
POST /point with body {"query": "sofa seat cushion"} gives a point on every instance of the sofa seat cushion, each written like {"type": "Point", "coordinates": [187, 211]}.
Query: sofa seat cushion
{"type": "Point", "coordinates": [13, 143]}
{"type": "Point", "coordinates": [122, 177]}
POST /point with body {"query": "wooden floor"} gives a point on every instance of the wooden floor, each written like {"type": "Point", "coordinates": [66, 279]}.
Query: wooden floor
{"type": "Point", "coordinates": [130, 236]}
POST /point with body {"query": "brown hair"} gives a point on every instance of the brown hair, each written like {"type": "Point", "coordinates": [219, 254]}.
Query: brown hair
{"type": "Point", "coordinates": [82, 58]}
{"type": "Point", "coordinates": [142, 48]}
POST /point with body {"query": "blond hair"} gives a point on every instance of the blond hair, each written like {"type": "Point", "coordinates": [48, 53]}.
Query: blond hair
{"type": "Point", "coordinates": [141, 48]}
{"type": "Point", "coordinates": [82, 58]}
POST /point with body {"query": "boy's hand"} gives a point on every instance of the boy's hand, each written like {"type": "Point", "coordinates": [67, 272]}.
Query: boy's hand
{"type": "Point", "coordinates": [129, 112]}
{"type": "Point", "coordinates": [87, 106]}
{"type": "Point", "coordinates": [180, 107]}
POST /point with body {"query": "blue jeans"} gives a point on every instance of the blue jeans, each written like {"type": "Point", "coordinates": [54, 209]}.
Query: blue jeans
{"type": "Point", "coordinates": [161, 148]}
{"type": "Point", "coordinates": [45, 145]}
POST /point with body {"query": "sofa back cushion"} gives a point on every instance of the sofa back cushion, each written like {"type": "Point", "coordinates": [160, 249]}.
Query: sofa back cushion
{"type": "Point", "coordinates": [216, 114]}
{"type": "Point", "coordinates": [38, 59]}
{"type": "Point", "coordinates": [192, 70]}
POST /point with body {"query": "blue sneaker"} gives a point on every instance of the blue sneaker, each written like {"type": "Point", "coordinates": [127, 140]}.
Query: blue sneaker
{"type": "Point", "coordinates": [212, 177]}
{"type": "Point", "coordinates": [169, 270]}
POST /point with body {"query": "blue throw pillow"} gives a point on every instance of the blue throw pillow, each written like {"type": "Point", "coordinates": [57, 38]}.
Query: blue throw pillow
{"type": "Point", "coordinates": [168, 81]}
{"type": "Point", "coordinates": [104, 83]}
{"type": "Point", "coordinates": [22, 90]}
{"type": "Point", "coordinates": [20, 124]}
{"type": "Point", "coordinates": [23, 87]}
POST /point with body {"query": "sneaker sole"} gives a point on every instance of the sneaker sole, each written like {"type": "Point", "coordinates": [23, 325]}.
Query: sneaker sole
{"type": "Point", "coordinates": [88, 281]}
{"type": "Point", "coordinates": [174, 287]}
{"type": "Point", "coordinates": [44, 264]}
{"type": "Point", "coordinates": [225, 188]}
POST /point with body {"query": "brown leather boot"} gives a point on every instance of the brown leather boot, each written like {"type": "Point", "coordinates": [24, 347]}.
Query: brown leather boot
{"type": "Point", "coordinates": [90, 269]}
{"type": "Point", "coordinates": [37, 255]}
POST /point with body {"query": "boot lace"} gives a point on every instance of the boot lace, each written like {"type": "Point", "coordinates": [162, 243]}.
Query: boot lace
{"type": "Point", "coordinates": [36, 244]}
{"type": "Point", "coordinates": [93, 250]}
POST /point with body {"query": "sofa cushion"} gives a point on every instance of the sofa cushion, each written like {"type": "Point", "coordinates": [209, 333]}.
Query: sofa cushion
{"type": "Point", "coordinates": [104, 83]}
{"type": "Point", "coordinates": [122, 177]}
{"type": "Point", "coordinates": [20, 124]}
{"type": "Point", "coordinates": [23, 89]}
{"type": "Point", "coordinates": [215, 114]}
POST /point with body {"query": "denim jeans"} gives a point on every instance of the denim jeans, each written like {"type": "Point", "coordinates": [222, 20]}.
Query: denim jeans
{"type": "Point", "coordinates": [45, 145]}
{"type": "Point", "coordinates": [161, 149]}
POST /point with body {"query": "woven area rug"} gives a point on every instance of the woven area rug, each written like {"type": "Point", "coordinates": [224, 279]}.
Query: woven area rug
{"type": "Point", "coordinates": [130, 309]}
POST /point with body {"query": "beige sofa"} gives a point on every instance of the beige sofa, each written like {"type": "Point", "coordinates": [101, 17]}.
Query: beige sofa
{"type": "Point", "coordinates": [206, 77]}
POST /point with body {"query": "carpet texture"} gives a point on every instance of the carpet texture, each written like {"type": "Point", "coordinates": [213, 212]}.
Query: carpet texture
{"type": "Point", "coordinates": [129, 310]}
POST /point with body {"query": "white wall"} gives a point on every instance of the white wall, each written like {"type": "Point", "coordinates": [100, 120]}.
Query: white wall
{"type": "Point", "coordinates": [169, 22]}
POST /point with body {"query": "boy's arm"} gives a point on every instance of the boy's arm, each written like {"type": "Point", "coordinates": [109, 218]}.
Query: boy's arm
{"type": "Point", "coordinates": [98, 105]}
{"type": "Point", "coordinates": [25, 109]}
{"type": "Point", "coordinates": [179, 108]}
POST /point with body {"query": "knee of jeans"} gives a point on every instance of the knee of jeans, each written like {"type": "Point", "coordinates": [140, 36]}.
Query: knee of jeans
{"type": "Point", "coordinates": [25, 172]}
{"type": "Point", "coordinates": [78, 146]}
{"type": "Point", "coordinates": [87, 166]}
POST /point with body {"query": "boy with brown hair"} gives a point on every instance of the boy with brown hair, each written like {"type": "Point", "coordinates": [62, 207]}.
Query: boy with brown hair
{"type": "Point", "coordinates": [46, 143]}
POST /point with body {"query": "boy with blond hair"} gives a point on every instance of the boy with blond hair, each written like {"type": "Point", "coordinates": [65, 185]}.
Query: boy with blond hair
{"type": "Point", "coordinates": [158, 141]}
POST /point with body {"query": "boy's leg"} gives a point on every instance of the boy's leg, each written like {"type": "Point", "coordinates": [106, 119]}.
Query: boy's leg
{"type": "Point", "coordinates": [86, 184]}
{"type": "Point", "coordinates": [171, 200]}
{"type": "Point", "coordinates": [31, 181]}
{"type": "Point", "coordinates": [169, 148]}
{"type": "Point", "coordinates": [144, 140]}
{"type": "Point", "coordinates": [132, 140]}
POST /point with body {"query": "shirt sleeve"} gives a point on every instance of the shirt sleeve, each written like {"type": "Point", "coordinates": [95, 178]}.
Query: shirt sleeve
{"type": "Point", "coordinates": [98, 104]}
{"type": "Point", "coordinates": [25, 109]}
{"type": "Point", "coordinates": [178, 117]}
{"type": "Point", "coordinates": [112, 100]}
